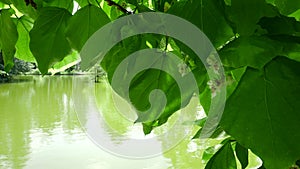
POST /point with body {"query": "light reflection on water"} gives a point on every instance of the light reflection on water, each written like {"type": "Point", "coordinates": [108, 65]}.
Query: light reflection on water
{"type": "Point", "coordinates": [39, 129]}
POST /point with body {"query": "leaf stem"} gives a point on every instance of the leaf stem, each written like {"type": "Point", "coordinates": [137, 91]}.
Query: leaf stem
{"type": "Point", "coordinates": [167, 42]}
{"type": "Point", "coordinates": [19, 19]}
{"type": "Point", "coordinates": [98, 3]}
{"type": "Point", "coordinates": [202, 26]}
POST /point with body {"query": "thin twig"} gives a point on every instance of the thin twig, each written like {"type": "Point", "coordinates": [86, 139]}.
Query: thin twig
{"type": "Point", "coordinates": [112, 3]}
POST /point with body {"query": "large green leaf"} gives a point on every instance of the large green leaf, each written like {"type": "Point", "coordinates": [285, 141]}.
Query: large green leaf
{"type": "Point", "coordinates": [263, 113]}
{"type": "Point", "coordinates": [142, 86]}
{"type": "Point", "coordinates": [145, 82]}
{"type": "Point", "coordinates": [8, 38]}
{"type": "Point", "coordinates": [84, 23]}
{"type": "Point", "coordinates": [23, 52]}
{"type": "Point", "coordinates": [208, 15]}
{"type": "Point", "coordinates": [223, 159]}
{"type": "Point", "coordinates": [245, 14]}
{"type": "Point", "coordinates": [47, 37]}
{"type": "Point", "coordinates": [253, 51]}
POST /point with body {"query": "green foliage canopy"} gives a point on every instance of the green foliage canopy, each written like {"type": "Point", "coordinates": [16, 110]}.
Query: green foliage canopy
{"type": "Point", "coordinates": [258, 42]}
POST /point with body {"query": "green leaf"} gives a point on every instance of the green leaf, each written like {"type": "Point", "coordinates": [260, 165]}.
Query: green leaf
{"type": "Point", "coordinates": [8, 38]}
{"type": "Point", "coordinates": [296, 15]}
{"type": "Point", "coordinates": [228, 2]}
{"type": "Point", "coordinates": [25, 9]}
{"type": "Point", "coordinates": [47, 37]}
{"type": "Point", "coordinates": [234, 79]}
{"type": "Point", "coordinates": [143, 8]}
{"type": "Point", "coordinates": [287, 6]}
{"type": "Point", "coordinates": [205, 98]}
{"type": "Point", "coordinates": [23, 52]}
{"type": "Point", "coordinates": [262, 114]}
{"type": "Point", "coordinates": [83, 3]}
{"type": "Point", "coordinates": [218, 131]}
{"type": "Point", "coordinates": [223, 159]}
{"type": "Point", "coordinates": [145, 82]}
{"type": "Point", "coordinates": [245, 14]}
{"type": "Point", "coordinates": [281, 25]}
{"type": "Point", "coordinates": [242, 155]}
{"type": "Point", "coordinates": [83, 24]}
{"type": "Point", "coordinates": [298, 163]}
{"type": "Point", "coordinates": [253, 51]}
{"type": "Point", "coordinates": [208, 15]}
{"type": "Point", "coordinates": [114, 12]}
{"type": "Point", "coordinates": [209, 153]}
{"type": "Point", "coordinates": [290, 46]}
{"type": "Point", "coordinates": [161, 5]}
{"type": "Point", "coordinates": [262, 167]}
{"type": "Point", "coordinates": [133, 2]}
{"type": "Point", "coordinates": [153, 79]}
{"type": "Point", "coordinates": [66, 63]}
{"type": "Point", "coordinates": [157, 79]}
{"type": "Point", "coordinates": [5, 1]}
{"type": "Point", "coordinates": [66, 4]}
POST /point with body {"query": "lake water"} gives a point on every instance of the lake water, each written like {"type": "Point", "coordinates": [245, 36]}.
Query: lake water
{"type": "Point", "coordinates": [39, 129]}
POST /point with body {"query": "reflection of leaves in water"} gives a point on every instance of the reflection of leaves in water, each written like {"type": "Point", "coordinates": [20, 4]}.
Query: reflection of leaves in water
{"type": "Point", "coordinates": [39, 106]}
{"type": "Point", "coordinates": [116, 125]}
{"type": "Point", "coordinates": [185, 154]}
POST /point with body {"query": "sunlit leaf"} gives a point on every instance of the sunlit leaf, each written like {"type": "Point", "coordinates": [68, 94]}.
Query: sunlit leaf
{"type": "Point", "coordinates": [296, 15]}
{"type": "Point", "coordinates": [23, 52]}
{"type": "Point", "coordinates": [66, 63]}
{"type": "Point", "coordinates": [25, 9]}
{"type": "Point", "coordinates": [84, 23]}
{"type": "Point", "coordinates": [47, 37]}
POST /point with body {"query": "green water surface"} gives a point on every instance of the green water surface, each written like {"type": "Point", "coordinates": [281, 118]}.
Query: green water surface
{"type": "Point", "coordinates": [39, 129]}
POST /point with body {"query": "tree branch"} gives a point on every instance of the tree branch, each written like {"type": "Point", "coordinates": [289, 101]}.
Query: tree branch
{"type": "Point", "coordinates": [33, 4]}
{"type": "Point", "coordinates": [112, 3]}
